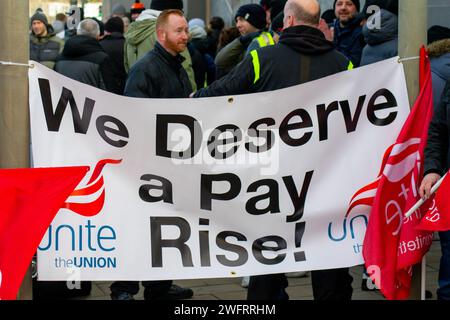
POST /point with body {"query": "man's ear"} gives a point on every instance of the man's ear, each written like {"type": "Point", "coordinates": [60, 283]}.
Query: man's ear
{"type": "Point", "coordinates": [161, 35]}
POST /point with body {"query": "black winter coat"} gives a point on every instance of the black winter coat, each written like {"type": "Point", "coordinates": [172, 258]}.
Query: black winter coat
{"type": "Point", "coordinates": [158, 75]}
{"type": "Point", "coordinates": [113, 45]}
{"type": "Point", "coordinates": [350, 40]}
{"type": "Point", "coordinates": [437, 151]}
{"type": "Point", "coordinates": [302, 54]}
{"type": "Point", "coordinates": [84, 60]}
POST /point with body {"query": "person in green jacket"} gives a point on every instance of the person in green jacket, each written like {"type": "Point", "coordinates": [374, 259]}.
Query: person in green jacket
{"type": "Point", "coordinates": [141, 36]}
{"type": "Point", "coordinates": [45, 46]}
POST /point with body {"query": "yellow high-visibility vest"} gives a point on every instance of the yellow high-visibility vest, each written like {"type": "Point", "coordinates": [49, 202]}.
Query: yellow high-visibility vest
{"type": "Point", "coordinates": [257, 65]}
{"type": "Point", "coordinates": [265, 39]}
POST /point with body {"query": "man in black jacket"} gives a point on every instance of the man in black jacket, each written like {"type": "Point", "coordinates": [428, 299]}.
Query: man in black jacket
{"type": "Point", "coordinates": [301, 55]}
{"type": "Point", "coordinates": [84, 60]}
{"type": "Point", "coordinates": [436, 164]}
{"type": "Point", "coordinates": [113, 44]}
{"type": "Point", "coordinates": [159, 74]}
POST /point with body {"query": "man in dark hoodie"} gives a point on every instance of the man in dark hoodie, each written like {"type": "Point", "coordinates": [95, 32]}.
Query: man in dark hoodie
{"type": "Point", "coordinates": [301, 47]}
{"type": "Point", "coordinates": [84, 60]}
{"type": "Point", "coordinates": [300, 41]}
{"type": "Point", "coordinates": [45, 46]}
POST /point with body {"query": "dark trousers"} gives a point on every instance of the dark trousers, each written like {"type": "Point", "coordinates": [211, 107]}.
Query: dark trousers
{"type": "Point", "coordinates": [333, 284]}
{"type": "Point", "coordinates": [443, 293]}
{"type": "Point", "coordinates": [152, 289]}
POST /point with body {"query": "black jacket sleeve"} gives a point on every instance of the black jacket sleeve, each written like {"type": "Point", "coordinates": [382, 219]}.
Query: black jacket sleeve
{"type": "Point", "coordinates": [108, 75]}
{"type": "Point", "coordinates": [436, 150]}
{"type": "Point", "coordinates": [239, 81]}
{"type": "Point", "coordinates": [140, 85]}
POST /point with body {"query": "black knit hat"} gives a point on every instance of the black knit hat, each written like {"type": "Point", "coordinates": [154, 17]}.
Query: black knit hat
{"type": "Point", "coordinates": [41, 17]}
{"type": "Point", "coordinates": [166, 4]}
{"type": "Point", "coordinates": [114, 24]}
{"type": "Point", "coordinates": [277, 23]}
{"type": "Point", "coordinates": [276, 7]}
{"type": "Point", "coordinates": [355, 2]}
{"type": "Point", "coordinates": [328, 16]}
{"type": "Point", "coordinates": [436, 33]}
{"type": "Point", "coordinates": [254, 14]}
{"type": "Point", "coordinates": [265, 4]}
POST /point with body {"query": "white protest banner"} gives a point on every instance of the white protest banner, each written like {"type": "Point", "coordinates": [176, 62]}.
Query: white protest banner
{"type": "Point", "coordinates": [217, 187]}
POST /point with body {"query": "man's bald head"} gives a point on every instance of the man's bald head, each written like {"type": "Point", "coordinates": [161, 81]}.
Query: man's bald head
{"type": "Point", "coordinates": [301, 12]}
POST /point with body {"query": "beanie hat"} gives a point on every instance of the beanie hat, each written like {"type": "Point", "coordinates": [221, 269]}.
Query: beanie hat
{"type": "Point", "coordinates": [277, 23]}
{"type": "Point", "coordinates": [114, 24]}
{"type": "Point", "coordinates": [119, 9]}
{"type": "Point", "coordinates": [196, 22]}
{"type": "Point", "coordinates": [389, 5]}
{"type": "Point", "coordinates": [41, 17]}
{"type": "Point", "coordinates": [161, 5]}
{"type": "Point", "coordinates": [328, 16]}
{"type": "Point", "coordinates": [276, 7]}
{"type": "Point", "coordinates": [265, 4]}
{"type": "Point", "coordinates": [137, 7]}
{"type": "Point", "coordinates": [355, 2]}
{"type": "Point", "coordinates": [253, 14]}
{"type": "Point", "coordinates": [436, 33]}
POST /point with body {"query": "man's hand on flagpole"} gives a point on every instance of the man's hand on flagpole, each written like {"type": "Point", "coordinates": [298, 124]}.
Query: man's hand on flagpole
{"type": "Point", "coordinates": [427, 183]}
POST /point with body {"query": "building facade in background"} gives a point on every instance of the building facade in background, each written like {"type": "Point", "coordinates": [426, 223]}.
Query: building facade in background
{"type": "Point", "coordinates": [92, 8]}
{"type": "Point", "coordinates": [438, 13]}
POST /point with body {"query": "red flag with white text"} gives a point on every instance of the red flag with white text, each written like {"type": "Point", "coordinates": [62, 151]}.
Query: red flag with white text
{"type": "Point", "coordinates": [29, 200]}
{"type": "Point", "coordinates": [392, 244]}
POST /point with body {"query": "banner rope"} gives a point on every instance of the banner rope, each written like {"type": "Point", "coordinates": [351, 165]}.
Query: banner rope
{"type": "Point", "coordinates": [408, 59]}
{"type": "Point", "coordinates": [9, 63]}
{"type": "Point", "coordinates": [30, 65]}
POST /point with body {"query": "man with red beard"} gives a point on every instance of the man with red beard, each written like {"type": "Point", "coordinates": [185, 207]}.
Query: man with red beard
{"type": "Point", "coordinates": [159, 74]}
{"type": "Point", "coordinates": [348, 37]}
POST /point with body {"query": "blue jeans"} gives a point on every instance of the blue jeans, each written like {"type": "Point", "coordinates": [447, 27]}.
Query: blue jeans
{"type": "Point", "coordinates": [443, 293]}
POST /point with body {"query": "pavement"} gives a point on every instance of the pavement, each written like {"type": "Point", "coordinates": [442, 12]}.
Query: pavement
{"type": "Point", "coordinates": [299, 288]}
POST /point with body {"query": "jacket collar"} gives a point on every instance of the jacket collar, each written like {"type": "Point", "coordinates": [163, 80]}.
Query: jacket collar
{"type": "Point", "coordinates": [170, 59]}
{"type": "Point", "coordinates": [306, 40]}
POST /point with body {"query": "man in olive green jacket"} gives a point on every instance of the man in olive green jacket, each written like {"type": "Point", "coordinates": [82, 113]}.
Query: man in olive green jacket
{"type": "Point", "coordinates": [45, 46]}
{"type": "Point", "coordinates": [141, 36]}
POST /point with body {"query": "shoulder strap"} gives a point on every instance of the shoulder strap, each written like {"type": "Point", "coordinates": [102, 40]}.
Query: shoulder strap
{"type": "Point", "coordinates": [305, 68]}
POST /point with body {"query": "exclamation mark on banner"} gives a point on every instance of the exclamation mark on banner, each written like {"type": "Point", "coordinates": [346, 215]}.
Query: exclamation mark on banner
{"type": "Point", "coordinates": [299, 231]}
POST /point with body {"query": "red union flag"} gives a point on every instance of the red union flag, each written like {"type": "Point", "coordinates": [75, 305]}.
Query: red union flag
{"type": "Point", "coordinates": [437, 217]}
{"type": "Point", "coordinates": [392, 244]}
{"type": "Point", "coordinates": [95, 186]}
{"type": "Point", "coordinates": [29, 200]}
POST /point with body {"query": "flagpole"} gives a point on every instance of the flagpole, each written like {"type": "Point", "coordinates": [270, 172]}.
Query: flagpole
{"type": "Point", "coordinates": [14, 119]}
{"type": "Point", "coordinates": [421, 201]}
{"type": "Point", "coordinates": [411, 37]}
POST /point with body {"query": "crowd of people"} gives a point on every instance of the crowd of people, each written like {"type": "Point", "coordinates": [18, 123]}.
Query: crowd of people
{"type": "Point", "coordinates": [157, 53]}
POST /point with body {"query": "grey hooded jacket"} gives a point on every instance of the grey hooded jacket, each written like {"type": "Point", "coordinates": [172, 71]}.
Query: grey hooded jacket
{"type": "Point", "coordinates": [382, 40]}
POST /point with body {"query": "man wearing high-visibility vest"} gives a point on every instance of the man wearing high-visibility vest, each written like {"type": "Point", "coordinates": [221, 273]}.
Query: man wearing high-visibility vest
{"type": "Point", "coordinates": [251, 23]}
{"type": "Point", "coordinates": [302, 54]}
